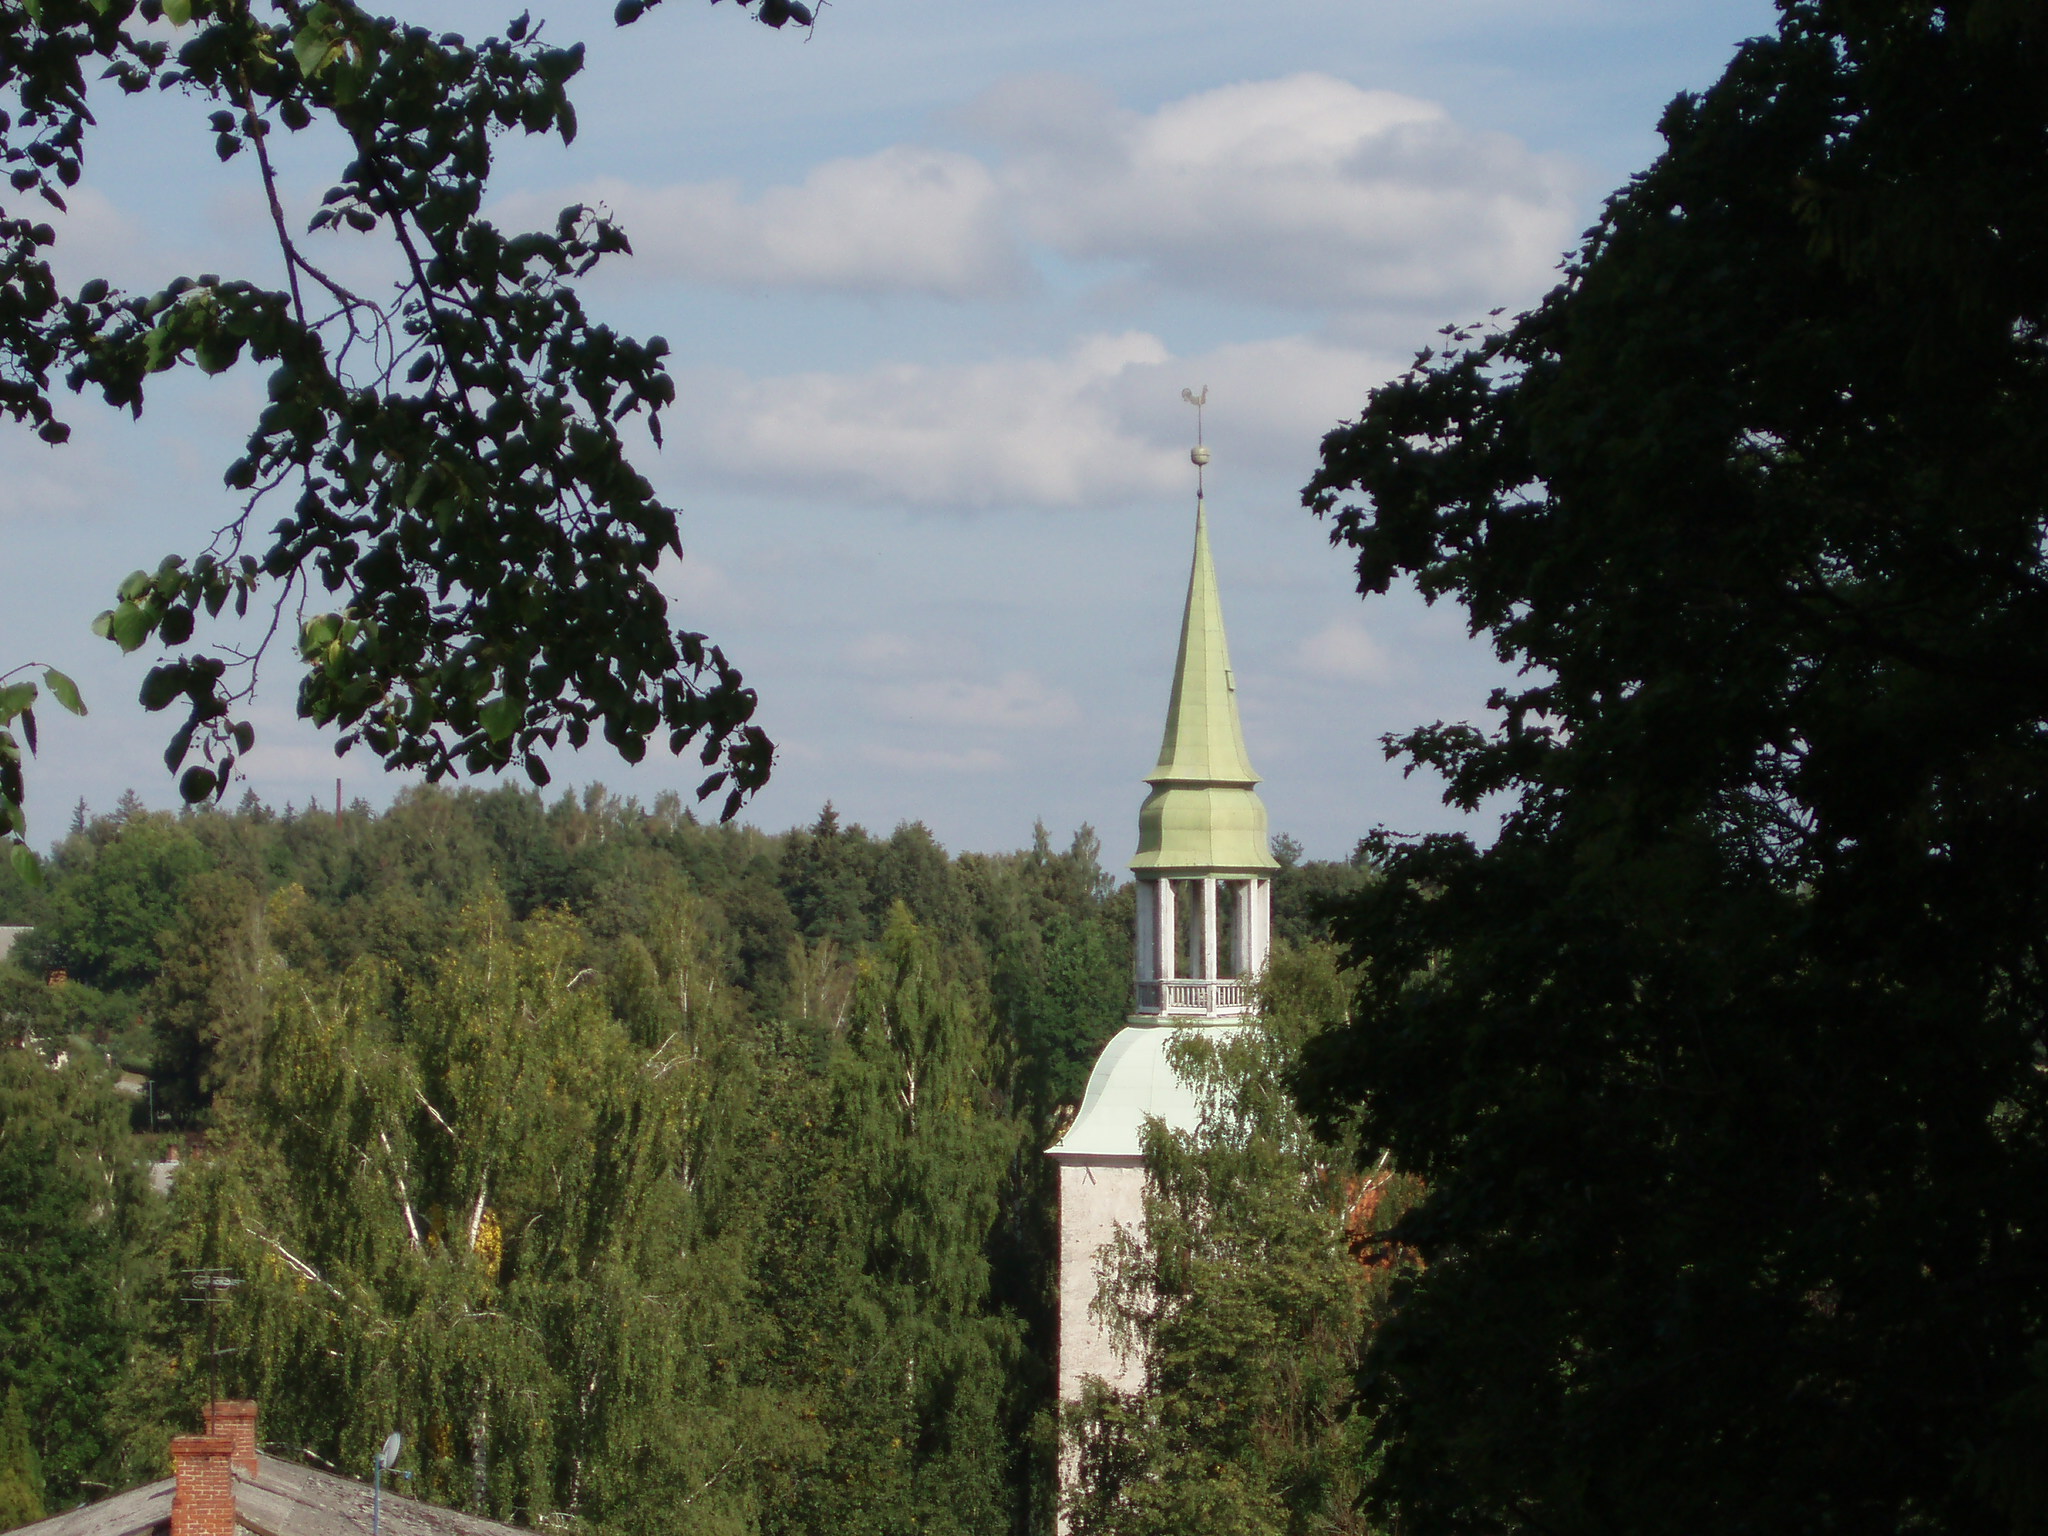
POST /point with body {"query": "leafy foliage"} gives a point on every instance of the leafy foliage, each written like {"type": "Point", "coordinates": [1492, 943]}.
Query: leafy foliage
{"type": "Point", "coordinates": [103, 921]}
{"type": "Point", "coordinates": [21, 1470]}
{"type": "Point", "coordinates": [17, 703]}
{"type": "Point", "coordinates": [1723, 1062]}
{"type": "Point", "coordinates": [448, 460]}
{"type": "Point", "coordinates": [671, 1176]}
{"type": "Point", "coordinates": [72, 1224]}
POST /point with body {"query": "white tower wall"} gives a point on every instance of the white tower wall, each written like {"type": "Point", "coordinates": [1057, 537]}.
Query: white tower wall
{"type": "Point", "coordinates": [1096, 1197]}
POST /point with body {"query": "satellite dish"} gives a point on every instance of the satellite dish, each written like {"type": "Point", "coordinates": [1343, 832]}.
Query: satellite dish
{"type": "Point", "coordinates": [388, 1457]}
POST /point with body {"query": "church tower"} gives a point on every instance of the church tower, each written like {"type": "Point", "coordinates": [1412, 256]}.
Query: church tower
{"type": "Point", "coordinates": [1205, 898]}
{"type": "Point", "coordinates": [1204, 864]}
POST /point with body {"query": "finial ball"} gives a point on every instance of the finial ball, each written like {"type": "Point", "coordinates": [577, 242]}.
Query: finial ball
{"type": "Point", "coordinates": [1199, 455]}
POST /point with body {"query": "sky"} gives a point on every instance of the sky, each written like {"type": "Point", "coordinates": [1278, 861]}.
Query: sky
{"type": "Point", "coordinates": [934, 276]}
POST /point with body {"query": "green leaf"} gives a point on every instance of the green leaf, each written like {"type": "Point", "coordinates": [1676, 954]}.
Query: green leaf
{"type": "Point", "coordinates": [196, 785]}
{"type": "Point", "coordinates": [319, 632]}
{"type": "Point", "coordinates": [63, 690]}
{"type": "Point", "coordinates": [217, 353]}
{"type": "Point", "coordinates": [178, 12]}
{"type": "Point", "coordinates": [133, 585]}
{"type": "Point", "coordinates": [501, 717]}
{"type": "Point", "coordinates": [130, 627]}
{"type": "Point", "coordinates": [103, 624]}
{"type": "Point", "coordinates": [163, 684]}
{"type": "Point", "coordinates": [312, 48]}
{"type": "Point", "coordinates": [14, 698]}
{"type": "Point", "coordinates": [160, 347]}
{"type": "Point", "coordinates": [26, 865]}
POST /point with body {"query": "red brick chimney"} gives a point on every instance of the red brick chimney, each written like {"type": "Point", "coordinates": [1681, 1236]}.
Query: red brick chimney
{"type": "Point", "coordinates": [204, 1503]}
{"type": "Point", "coordinates": [235, 1420]}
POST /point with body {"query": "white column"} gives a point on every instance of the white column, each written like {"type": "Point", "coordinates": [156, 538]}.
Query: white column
{"type": "Point", "coordinates": [1241, 929]}
{"type": "Point", "coordinates": [1163, 935]}
{"type": "Point", "coordinates": [1148, 931]}
{"type": "Point", "coordinates": [1262, 922]}
{"type": "Point", "coordinates": [1208, 928]}
{"type": "Point", "coordinates": [1250, 924]}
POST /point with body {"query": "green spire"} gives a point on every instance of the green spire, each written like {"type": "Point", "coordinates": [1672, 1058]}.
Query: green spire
{"type": "Point", "coordinates": [1203, 815]}
{"type": "Point", "coordinates": [1204, 742]}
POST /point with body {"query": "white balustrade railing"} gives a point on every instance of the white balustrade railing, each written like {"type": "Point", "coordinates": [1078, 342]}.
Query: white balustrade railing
{"type": "Point", "coordinates": [1200, 998]}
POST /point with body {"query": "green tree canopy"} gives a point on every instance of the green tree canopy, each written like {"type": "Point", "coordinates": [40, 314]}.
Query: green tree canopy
{"type": "Point", "coordinates": [1724, 1061]}
{"type": "Point", "coordinates": [617, 1212]}
{"type": "Point", "coordinates": [105, 925]}
{"type": "Point", "coordinates": [474, 1207]}
{"type": "Point", "coordinates": [71, 1216]}
{"type": "Point", "coordinates": [21, 1470]}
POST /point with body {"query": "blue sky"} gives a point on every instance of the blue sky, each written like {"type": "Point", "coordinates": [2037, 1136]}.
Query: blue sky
{"type": "Point", "coordinates": [934, 277]}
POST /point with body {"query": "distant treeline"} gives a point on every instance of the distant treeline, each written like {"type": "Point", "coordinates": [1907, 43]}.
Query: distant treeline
{"type": "Point", "coordinates": [660, 1174]}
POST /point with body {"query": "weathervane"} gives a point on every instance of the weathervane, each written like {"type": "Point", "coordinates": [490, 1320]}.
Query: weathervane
{"type": "Point", "coordinates": [1200, 455]}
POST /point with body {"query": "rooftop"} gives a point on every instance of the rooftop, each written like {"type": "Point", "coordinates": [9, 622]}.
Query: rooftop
{"type": "Point", "coordinates": [1133, 1079]}
{"type": "Point", "coordinates": [280, 1498]}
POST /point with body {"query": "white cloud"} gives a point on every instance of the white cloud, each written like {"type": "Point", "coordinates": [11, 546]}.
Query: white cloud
{"type": "Point", "coordinates": [1040, 431]}
{"type": "Point", "coordinates": [45, 484]}
{"type": "Point", "coordinates": [915, 760]}
{"type": "Point", "coordinates": [702, 589]}
{"type": "Point", "coordinates": [882, 650]}
{"type": "Point", "coordinates": [1343, 651]}
{"type": "Point", "coordinates": [1017, 701]}
{"type": "Point", "coordinates": [1306, 192]}
{"type": "Point", "coordinates": [95, 238]}
{"type": "Point", "coordinates": [1099, 425]}
{"type": "Point", "coordinates": [905, 219]}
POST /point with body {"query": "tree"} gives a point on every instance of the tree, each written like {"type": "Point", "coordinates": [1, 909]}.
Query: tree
{"type": "Point", "coordinates": [205, 1004]}
{"type": "Point", "coordinates": [71, 1213]}
{"type": "Point", "coordinates": [17, 703]}
{"type": "Point", "coordinates": [1723, 1061]}
{"type": "Point", "coordinates": [879, 1243]}
{"type": "Point", "coordinates": [449, 458]}
{"type": "Point", "coordinates": [474, 1207]}
{"type": "Point", "coordinates": [21, 1471]}
{"type": "Point", "coordinates": [1248, 1300]}
{"type": "Point", "coordinates": [104, 923]}
{"type": "Point", "coordinates": [1307, 891]}
{"type": "Point", "coordinates": [1080, 1003]}
{"type": "Point", "coordinates": [616, 1216]}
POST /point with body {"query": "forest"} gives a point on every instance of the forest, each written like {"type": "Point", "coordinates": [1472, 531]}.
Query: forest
{"type": "Point", "coordinates": [648, 1174]}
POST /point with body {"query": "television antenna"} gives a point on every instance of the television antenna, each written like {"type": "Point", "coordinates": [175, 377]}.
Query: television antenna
{"type": "Point", "coordinates": [212, 1286]}
{"type": "Point", "coordinates": [387, 1456]}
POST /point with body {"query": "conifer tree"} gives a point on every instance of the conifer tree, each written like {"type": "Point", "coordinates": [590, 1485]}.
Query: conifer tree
{"type": "Point", "coordinates": [895, 1329]}
{"type": "Point", "coordinates": [205, 1004]}
{"type": "Point", "coordinates": [21, 1471]}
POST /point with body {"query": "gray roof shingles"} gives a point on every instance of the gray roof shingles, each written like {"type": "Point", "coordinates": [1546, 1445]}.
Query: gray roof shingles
{"type": "Point", "coordinates": [281, 1500]}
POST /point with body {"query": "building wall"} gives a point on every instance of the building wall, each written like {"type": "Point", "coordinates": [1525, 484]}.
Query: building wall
{"type": "Point", "coordinates": [1095, 1198]}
